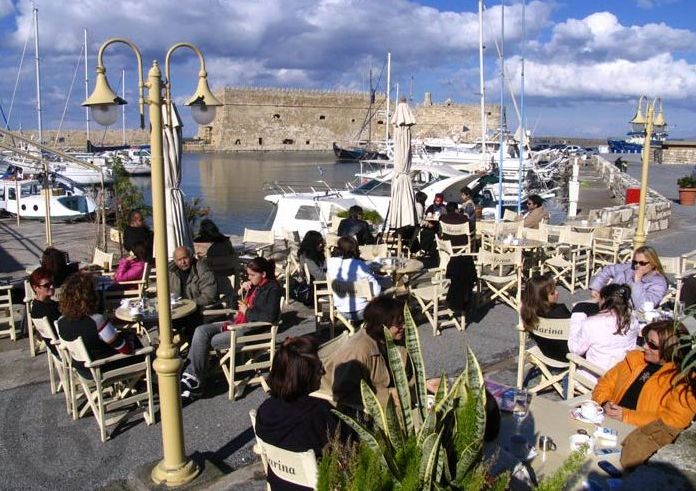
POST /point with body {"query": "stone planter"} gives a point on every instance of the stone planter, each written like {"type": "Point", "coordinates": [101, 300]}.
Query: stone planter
{"type": "Point", "coordinates": [687, 196]}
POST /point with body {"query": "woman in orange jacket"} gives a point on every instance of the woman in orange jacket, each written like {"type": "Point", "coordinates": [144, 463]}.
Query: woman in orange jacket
{"type": "Point", "coordinates": [641, 388]}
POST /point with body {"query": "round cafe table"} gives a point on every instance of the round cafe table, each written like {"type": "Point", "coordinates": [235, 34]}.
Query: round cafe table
{"type": "Point", "coordinates": [524, 244]}
{"type": "Point", "coordinates": [398, 268]}
{"type": "Point", "coordinates": [585, 226]}
{"type": "Point", "coordinates": [180, 309]}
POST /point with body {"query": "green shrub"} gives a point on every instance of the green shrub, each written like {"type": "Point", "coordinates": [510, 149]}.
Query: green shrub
{"type": "Point", "coordinates": [371, 216]}
{"type": "Point", "coordinates": [686, 182]}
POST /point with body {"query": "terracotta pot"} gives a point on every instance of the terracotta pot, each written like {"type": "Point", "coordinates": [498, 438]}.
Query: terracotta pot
{"type": "Point", "coordinates": [687, 196]}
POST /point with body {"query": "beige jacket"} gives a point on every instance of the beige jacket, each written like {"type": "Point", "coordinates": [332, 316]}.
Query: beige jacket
{"type": "Point", "coordinates": [534, 217]}
{"type": "Point", "coordinates": [358, 358]}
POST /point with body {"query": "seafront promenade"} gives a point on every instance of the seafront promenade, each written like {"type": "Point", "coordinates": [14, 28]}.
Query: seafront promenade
{"type": "Point", "coordinates": [43, 448]}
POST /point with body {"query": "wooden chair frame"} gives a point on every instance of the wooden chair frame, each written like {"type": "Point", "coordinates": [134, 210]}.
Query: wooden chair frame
{"type": "Point", "coordinates": [549, 329]}
{"type": "Point", "coordinates": [501, 273]}
{"type": "Point", "coordinates": [577, 381]}
{"type": "Point", "coordinates": [361, 288]}
{"type": "Point", "coordinates": [572, 265]}
{"type": "Point", "coordinates": [7, 313]}
{"type": "Point", "coordinates": [432, 300]}
{"type": "Point", "coordinates": [57, 364]}
{"type": "Point", "coordinates": [100, 258]}
{"type": "Point", "coordinates": [259, 240]}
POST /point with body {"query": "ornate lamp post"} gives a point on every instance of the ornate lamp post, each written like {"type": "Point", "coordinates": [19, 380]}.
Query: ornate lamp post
{"type": "Point", "coordinates": [647, 123]}
{"type": "Point", "coordinates": [175, 468]}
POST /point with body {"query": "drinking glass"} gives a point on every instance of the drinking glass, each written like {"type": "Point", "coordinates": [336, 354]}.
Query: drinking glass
{"type": "Point", "coordinates": [520, 406]}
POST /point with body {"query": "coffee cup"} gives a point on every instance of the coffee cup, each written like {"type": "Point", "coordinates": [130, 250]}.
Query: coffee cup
{"type": "Point", "coordinates": [546, 443]}
{"type": "Point", "coordinates": [584, 222]}
{"type": "Point", "coordinates": [591, 411]}
{"type": "Point", "coordinates": [577, 440]}
{"type": "Point", "coordinates": [134, 311]}
{"type": "Point", "coordinates": [125, 303]}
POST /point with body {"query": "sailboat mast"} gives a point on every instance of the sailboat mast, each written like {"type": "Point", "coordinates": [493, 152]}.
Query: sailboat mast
{"type": "Point", "coordinates": [523, 126]}
{"type": "Point", "coordinates": [369, 113]}
{"type": "Point", "coordinates": [499, 214]}
{"type": "Point", "coordinates": [86, 87]}
{"type": "Point", "coordinates": [386, 125]}
{"type": "Point", "coordinates": [484, 130]}
{"type": "Point", "coordinates": [38, 72]}
{"type": "Point", "coordinates": [123, 111]}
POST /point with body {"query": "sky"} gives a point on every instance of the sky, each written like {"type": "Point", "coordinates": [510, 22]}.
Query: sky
{"type": "Point", "coordinates": [586, 62]}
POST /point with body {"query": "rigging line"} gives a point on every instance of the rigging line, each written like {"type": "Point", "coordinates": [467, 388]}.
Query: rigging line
{"type": "Point", "coordinates": [67, 101]}
{"type": "Point", "coordinates": [14, 91]}
{"type": "Point", "coordinates": [508, 82]}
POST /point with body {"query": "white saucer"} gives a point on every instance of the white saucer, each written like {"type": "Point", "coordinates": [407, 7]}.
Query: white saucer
{"type": "Point", "coordinates": [575, 414]}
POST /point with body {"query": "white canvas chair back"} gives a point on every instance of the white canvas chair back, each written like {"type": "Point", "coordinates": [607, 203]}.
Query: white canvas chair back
{"type": "Point", "coordinates": [578, 370]}
{"type": "Point", "coordinates": [7, 322]}
{"type": "Point", "coordinates": [200, 249]}
{"type": "Point", "coordinates": [335, 222]}
{"type": "Point", "coordinates": [43, 326]}
{"type": "Point", "coordinates": [298, 468]}
{"type": "Point", "coordinates": [672, 265]}
{"type": "Point", "coordinates": [445, 252]}
{"type": "Point", "coordinates": [510, 216]}
{"type": "Point", "coordinates": [57, 364]}
{"type": "Point", "coordinates": [76, 349]}
{"type": "Point", "coordinates": [258, 236]}
{"type": "Point", "coordinates": [576, 238]}
{"type": "Point", "coordinates": [455, 229]}
{"type": "Point", "coordinates": [501, 273]}
{"type": "Point", "coordinates": [322, 297]}
{"type": "Point", "coordinates": [101, 258]}
{"type": "Point", "coordinates": [361, 288]}
{"type": "Point", "coordinates": [249, 353]}
{"type": "Point", "coordinates": [553, 329]}
{"type": "Point", "coordinates": [508, 228]}
{"type": "Point", "coordinates": [35, 345]}
{"type": "Point", "coordinates": [371, 252]}
{"type": "Point", "coordinates": [540, 234]}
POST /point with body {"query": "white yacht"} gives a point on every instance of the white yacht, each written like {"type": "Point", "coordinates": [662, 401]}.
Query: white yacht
{"type": "Point", "coordinates": [25, 197]}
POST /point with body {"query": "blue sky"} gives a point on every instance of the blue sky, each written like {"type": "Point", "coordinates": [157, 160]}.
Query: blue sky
{"type": "Point", "coordinates": [586, 61]}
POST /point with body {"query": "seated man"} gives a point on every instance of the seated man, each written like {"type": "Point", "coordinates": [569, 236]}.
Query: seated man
{"type": "Point", "coordinates": [137, 231]}
{"type": "Point", "coordinates": [355, 226]}
{"type": "Point", "coordinates": [453, 217]}
{"type": "Point", "coordinates": [536, 212]}
{"type": "Point", "coordinates": [192, 279]}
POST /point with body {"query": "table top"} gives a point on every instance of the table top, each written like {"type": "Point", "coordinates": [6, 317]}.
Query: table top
{"type": "Point", "coordinates": [552, 418]}
{"type": "Point", "coordinates": [585, 225]}
{"type": "Point", "coordinates": [180, 309]}
{"type": "Point", "coordinates": [405, 266]}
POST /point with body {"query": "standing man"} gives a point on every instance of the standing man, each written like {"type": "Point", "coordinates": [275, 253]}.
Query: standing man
{"type": "Point", "coordinates": [535, 211]}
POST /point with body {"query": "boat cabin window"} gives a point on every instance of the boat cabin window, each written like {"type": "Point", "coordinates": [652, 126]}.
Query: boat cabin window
{"type": "Point", "coordinates": [374, 187]}
{"type": "Point", "coordinates": [11, 194]}
{"type": "Point", "coordinates": [2, 194]}
{"type": "Point", "coordinates": [307, 212]}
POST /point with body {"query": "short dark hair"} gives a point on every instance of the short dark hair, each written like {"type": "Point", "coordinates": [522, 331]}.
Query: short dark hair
{"type": "Point", "coordinates": [355, 211]}
{"type": "Point", "coordinates": [381, 312]}
{"type": "Point", "coordinates": [140, 250]}
{"type": "Point", "coordinates": [132, 213]}
{"type": "Point", "coordinates": [451, 206]}
{"type": "Point", "coordinates": [421, 197]}
{"type": "Point", "coordinates": [263, 265]}
{"type": "Point", "coordinates": [347, 248]}
{"type": "Point", "coordinates": [536, 199]}
{"type": "Point", "coordinates": [466, 190]}
{"type": "Point", "coordinates": [296, 369]}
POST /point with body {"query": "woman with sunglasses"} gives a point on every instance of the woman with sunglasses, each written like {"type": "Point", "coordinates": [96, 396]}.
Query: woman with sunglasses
{"type": "Point", "coordinates": [43, 305]}
{"type": "Point", "coordinates": [605, 338]}
{"type": "Point", "coordinates": [644, 274]}
{"type": "Point", "coordinates": [644, 387]}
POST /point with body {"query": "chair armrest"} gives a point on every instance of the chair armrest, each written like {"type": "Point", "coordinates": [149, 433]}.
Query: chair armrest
{"type": "Point", "coordinates": [588, 365]}
{"type": "Point", "coordinates": [103, 361]}
{"type": "Point", "coordinates": [131, 282]}
{"type": "Point", "coordinates": [685, 274]}
{"type": "Point", "coordinates": [250, 325]}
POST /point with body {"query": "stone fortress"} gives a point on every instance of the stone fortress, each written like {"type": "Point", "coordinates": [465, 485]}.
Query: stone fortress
{"type": "Point", "coordinates": [276, 119]}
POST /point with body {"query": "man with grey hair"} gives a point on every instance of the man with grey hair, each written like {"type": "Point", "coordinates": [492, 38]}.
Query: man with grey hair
{"type": "Point", "coordinates": [191, 278]}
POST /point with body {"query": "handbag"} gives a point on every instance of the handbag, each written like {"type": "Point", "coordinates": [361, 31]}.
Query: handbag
{"type": "Point", "coordinates": [644, 441]}
{"type": "Point", "coordinates": [301, 291]}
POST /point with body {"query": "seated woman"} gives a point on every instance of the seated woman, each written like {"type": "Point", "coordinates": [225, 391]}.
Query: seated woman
{"type": "Point", "coordinates": [311, 253]}
{"type": "Point", "coordinates": [605, 338]}
{"type": "Point", "coordinates": [363, 356]}
{"type": "Point", "coordinates": [346, 266]}
{"type": "Point", "coordinates": [540, 299]}
{"type": "Point", "coordinates": [78, 304]}
{"type": "Point", "coordinates": [43, 305]}
{"type": "Point", "coordinates": [56, 261]}
{"type": "Point", "coordinates": [131, 268]}
{"type": "Point", "coordinates": [643, 387]}
{"type": "Point", "coordinates": [260, 303]}
{"type": "Point", "coordinates": [644, 275]}
{"type": "Point", "coordinates": [220, 256]}
{"type": "Point", "coordinates": [291, 419]}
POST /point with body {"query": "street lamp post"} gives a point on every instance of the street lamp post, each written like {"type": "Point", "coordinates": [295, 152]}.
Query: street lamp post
{"type": "Point", "coordinates": [175, 469]}
{"type": "Point", "coordinates": [641, 234]}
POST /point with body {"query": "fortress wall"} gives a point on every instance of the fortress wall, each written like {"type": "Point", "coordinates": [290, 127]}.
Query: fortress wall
{"type": "Point", "coordinates": [254, 119]}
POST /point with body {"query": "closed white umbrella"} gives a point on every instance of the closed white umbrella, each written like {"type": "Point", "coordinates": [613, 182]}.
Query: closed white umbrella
{"type": "Point", "coordinates": [178, 230]}
{"type": "Point", "coordinates": [402, 210]}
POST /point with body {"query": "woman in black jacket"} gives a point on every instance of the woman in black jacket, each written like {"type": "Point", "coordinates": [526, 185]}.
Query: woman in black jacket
{"type": "Point", "coordinates": [291, 419]}
{"type": "Point", "coordinates": [220, 256]}
{"type": "Point", "coordinates": [260, 302]}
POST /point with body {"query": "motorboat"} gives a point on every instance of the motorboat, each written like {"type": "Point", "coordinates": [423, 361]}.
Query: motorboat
{"type": "Point", "coordinates": [26, 198]}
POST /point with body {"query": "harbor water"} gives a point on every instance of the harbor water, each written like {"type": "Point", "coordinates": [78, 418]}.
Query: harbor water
{"type": "Point", "coordinates": [233, 185]}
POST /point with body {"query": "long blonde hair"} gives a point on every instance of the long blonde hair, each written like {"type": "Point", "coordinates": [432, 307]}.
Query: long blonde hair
{"type": "Point", "coordinates": [652, 257]}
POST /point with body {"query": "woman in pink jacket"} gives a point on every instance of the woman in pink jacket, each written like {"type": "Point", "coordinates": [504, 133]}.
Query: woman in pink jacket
{"type": "Point", "coordinates": [131, 268]}
{"type": "Point", "coordinates": [605, 338]}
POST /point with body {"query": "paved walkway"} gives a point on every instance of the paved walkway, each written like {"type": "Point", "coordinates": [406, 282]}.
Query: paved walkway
{"type": "Point", "coordinates": [42, 448]}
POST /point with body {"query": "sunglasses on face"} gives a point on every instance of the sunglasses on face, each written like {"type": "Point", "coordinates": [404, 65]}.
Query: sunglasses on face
{"type": "Point", "coordinates": [652, 345]}
{"type": "Point", "coordinates": [641, 263]}
{"type": "Point", "coordinates": [45, 285]}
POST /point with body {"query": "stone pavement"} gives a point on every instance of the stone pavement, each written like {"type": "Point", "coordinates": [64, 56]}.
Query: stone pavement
{"type": "Point", "coordinates": [41, 447]}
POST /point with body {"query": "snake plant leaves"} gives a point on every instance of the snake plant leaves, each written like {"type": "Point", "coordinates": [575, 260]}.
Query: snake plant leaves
{"type": "Point", "coordinates": [373, 407]}
{"type": "Point", "coordinates": [429, 457]}
{"type": "Point", "coordinates": [396, 432]}
{"type": "Point", "coordinates": [441, 389]}
{"type": "Point", "coordinates": [369, 439]}
{"type": "Point", "coordinates": [400, 382]}
{"type": "Point", "coordinates": [415, 354]}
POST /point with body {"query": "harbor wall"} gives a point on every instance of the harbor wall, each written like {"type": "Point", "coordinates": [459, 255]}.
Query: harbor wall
{"type": "Point", "coordinates": [658, 209]}
{"type": "Point", "coordinates": [677, 152]}
{"type": "Point", "coordinates": [275, 119]}
{"type": "Point", "coordinates": [77, 139]}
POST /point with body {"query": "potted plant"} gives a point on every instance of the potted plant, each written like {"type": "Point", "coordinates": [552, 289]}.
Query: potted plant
{"type": "Point", "coordinates": [687, 190]}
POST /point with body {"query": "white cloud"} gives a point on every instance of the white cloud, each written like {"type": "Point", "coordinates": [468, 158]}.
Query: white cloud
{"type": "Point", "coordinates": [6, 8]}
